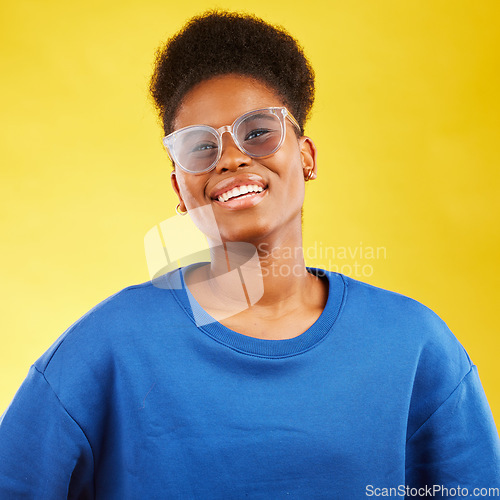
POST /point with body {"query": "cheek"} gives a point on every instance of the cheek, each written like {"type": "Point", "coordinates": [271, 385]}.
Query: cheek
{"type": "Point", "coordinates": [192, 190]}
{"type": "Point", "coordinates": [296, 184]}
{"type": "Point", "coordinates": [298, 189]}
{"type": "Point", "coordinates": [294, 173]}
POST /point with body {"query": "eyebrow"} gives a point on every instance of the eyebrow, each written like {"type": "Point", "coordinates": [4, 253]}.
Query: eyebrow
{"type": "Point", "coordinates": [263, 115]}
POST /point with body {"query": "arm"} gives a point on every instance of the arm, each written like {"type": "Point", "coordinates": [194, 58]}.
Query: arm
{"type": "Point", "coordinates": [458, 444]}
{"type": "Point", "coordinates": [43, 452]}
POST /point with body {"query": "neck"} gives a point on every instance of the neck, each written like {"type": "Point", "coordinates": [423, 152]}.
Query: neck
{"type": "Point", "coordinates": [261, 289]}
{"type": "Point", "coordinates": [273, 271]}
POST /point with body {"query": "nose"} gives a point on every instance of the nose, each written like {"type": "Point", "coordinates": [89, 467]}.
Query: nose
{"type": "Point", "coordinates": [232, 157]}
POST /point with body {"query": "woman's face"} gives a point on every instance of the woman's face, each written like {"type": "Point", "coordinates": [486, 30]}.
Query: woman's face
{"type": "Point", "coordinates": [276, 210]}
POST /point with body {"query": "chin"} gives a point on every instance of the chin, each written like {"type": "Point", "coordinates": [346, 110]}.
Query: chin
{"type": "Point", "coordinates": [254, 232]}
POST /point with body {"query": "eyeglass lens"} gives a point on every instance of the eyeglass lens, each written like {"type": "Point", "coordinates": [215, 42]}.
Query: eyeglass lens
{"type": "Point", "coordinates": [258, 134]}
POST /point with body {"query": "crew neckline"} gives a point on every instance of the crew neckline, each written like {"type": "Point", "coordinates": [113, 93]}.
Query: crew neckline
{"type": "Point", "coordinates": [337, 292]}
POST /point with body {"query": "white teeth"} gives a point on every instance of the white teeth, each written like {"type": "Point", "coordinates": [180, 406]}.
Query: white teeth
{"type": "Point", "coordinates": [240, 190]}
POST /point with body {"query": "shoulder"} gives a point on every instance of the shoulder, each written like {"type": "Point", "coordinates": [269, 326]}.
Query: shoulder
{"type": "Point", "coordinates": [412, 336]}
{"type": "Point", "coordinates": [404, 321]}
{"type": "Point", "coordinates": [398, 315]}
{"type": "Point", "coordinates": [106, 348]}
{"type": "Point", "coordinates": [111, 323]}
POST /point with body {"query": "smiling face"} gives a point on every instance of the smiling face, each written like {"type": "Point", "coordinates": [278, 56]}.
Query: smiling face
{"type": "Point", "coordinates": [251, 198]}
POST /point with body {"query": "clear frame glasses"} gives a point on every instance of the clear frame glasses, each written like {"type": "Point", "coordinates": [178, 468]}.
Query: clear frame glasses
{"type": "Point", "coordinates": [259, 133]}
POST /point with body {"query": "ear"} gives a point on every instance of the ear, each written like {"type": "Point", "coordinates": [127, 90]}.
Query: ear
{"type": "Point", "coordinates": [175, 185]}
{"type": "Point", "coordinates": [308, 154]}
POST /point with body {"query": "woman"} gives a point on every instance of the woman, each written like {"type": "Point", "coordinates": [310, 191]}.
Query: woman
{"type": "Point", "coordinates": [251, 376]}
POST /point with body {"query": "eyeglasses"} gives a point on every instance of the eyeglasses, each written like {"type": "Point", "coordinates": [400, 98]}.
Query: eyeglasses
{"type": "Point", "coordinates": [259, 133]}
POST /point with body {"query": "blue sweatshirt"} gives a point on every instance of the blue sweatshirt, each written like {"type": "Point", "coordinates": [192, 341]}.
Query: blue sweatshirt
{"type": "Point", "coordinates": [135, 401]}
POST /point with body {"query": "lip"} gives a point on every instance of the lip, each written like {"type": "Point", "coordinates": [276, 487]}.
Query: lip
{"type": "Point", "coordinates": [237, 181]}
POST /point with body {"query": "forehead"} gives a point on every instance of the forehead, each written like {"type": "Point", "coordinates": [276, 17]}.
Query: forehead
{"type": "Point", "coordinates": [220, 100]}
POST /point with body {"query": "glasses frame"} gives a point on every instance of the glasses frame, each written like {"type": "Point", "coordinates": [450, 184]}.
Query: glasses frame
{"type": "Point", "coordinates": [281, 112]}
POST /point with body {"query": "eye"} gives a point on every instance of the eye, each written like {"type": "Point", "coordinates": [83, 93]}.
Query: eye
{"type": "Point", "coordinates": [202, 146]}
{"type": "Point", "coordinates": [258, 132]}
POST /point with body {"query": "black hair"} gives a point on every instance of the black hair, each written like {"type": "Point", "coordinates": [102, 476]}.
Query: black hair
{"type": "Point", "coordinates": [220, 42]}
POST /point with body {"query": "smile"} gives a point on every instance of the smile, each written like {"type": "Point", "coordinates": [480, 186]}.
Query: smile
{"type": "Point", "coordinates": [240, 192]}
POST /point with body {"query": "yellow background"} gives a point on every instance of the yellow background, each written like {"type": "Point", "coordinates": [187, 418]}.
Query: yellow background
{"type": "Point", "coordinates": [406, 121]}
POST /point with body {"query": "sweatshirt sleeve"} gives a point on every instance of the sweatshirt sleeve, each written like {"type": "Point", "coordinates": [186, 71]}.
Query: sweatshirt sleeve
{"type": "Point", "coordinates": [43, 451]}
{"type": "Point", "coordinates": [458, 444]}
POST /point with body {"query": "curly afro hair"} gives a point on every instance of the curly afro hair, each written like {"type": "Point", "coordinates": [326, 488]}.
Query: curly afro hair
{"type": "Point", "coordinates": [219, 42]}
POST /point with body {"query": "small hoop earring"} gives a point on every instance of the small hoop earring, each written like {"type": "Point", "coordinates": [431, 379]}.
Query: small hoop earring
{"type": "Point", "coordinates": [309, 175]}
{"type": "Point", "coordinates": [177, 210]}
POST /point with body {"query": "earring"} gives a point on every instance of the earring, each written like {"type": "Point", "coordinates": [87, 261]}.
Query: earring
{"type": "Point", "coordinates": [177, 210]}
{"type": "Point", "coordinates": [310, 175]}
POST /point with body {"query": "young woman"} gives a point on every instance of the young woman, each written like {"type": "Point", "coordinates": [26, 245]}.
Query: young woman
{"type": "Point", "coordinates": [250, 376]}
